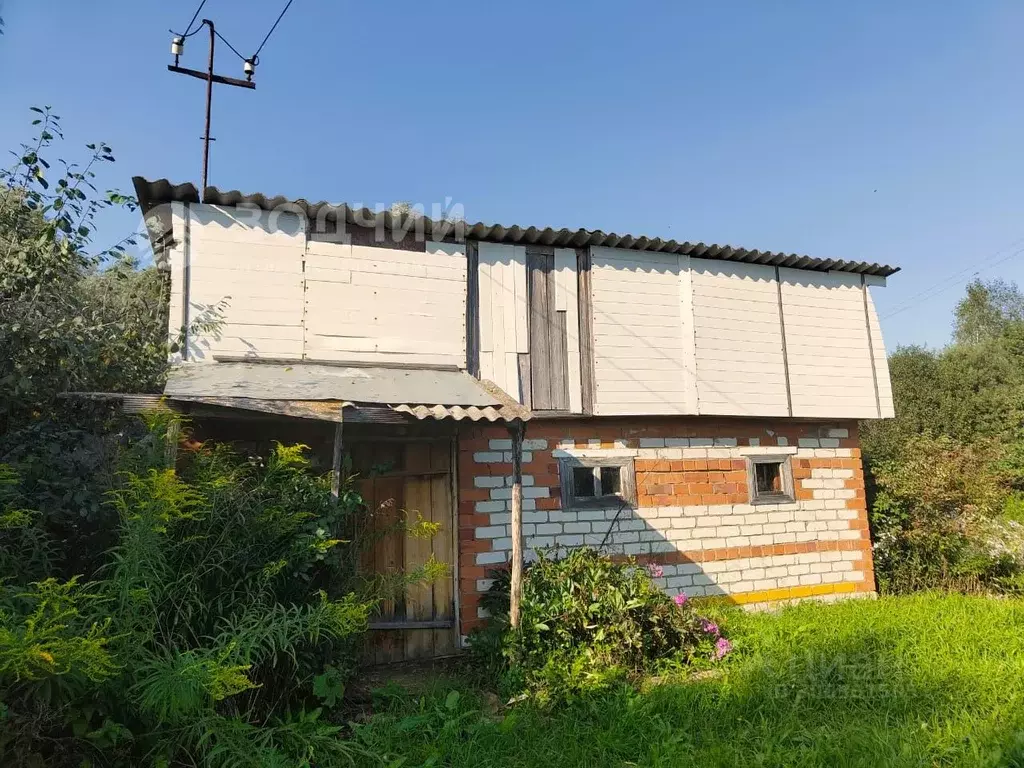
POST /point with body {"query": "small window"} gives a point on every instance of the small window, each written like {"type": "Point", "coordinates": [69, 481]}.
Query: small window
{"type": "Point", "coordinates": [770, 480]}
{"type": "Point", "coordinates": [597, 482]}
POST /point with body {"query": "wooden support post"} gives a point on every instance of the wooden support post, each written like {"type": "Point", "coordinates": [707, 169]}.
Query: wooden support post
{"type": "Point", "coordinates": [336, 463]}
{"type": "Point", "coordinates": [517, 429]}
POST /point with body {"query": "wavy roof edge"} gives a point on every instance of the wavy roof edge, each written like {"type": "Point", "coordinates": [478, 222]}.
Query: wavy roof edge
{"type": "Point", "coordinates": [160, 191]}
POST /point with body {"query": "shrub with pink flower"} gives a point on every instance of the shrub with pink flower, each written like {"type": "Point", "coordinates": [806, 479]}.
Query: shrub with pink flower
{"type": "Point", "coordinates": [722, 647]}
{"type": "Point", "coordinates": [655, 570]}
{"type": "Point", "coordinates": [680, 599]}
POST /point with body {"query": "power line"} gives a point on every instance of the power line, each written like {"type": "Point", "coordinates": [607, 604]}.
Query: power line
{"type": "Point", "coordinates": [229, 45]}
{"type": "Point", "coordinates": [194, 17]}
{"type": "Point", "coordinates": [930, 293]}
{"type": "Point", "coordinates": [255, 56]}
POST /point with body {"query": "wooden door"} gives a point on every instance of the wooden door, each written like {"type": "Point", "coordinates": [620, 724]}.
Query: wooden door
{"type": "Point", "coordinates": [403, 483]}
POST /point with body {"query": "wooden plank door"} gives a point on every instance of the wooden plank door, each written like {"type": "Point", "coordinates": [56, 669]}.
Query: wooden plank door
{"type": "Point", "coordinates": [406, 484]}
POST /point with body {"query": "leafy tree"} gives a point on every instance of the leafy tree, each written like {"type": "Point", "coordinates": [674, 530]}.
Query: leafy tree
{"type": "Point", "coordinates": [987, 310]}
{"type": "Point", "coordinates": [71, 317]}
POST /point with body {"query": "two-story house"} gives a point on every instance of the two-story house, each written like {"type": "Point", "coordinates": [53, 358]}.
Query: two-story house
{"type": "Point", "coordinates": [692, 406]}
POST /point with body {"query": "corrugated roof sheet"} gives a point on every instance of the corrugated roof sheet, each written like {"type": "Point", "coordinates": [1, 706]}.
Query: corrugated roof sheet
{"type": "Point", "coordinates": [153, 193]}
{"type": "Point", "coordinates": [316, 391]}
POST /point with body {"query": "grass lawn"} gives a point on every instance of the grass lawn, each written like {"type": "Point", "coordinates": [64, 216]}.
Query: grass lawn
{"type": "Point", "coordinates": [915, 681]}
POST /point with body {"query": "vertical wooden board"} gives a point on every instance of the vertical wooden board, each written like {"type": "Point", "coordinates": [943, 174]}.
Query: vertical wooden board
{"type": "Point", "coordinates": [519, 277]}
{"type": "Point", "coordinates": [442, 513]}
{"type": "Point", "coordinates": [540, 334]}
{"type": "Point", "coordinates": [525, 382]}
{"type": "Point", "coordinates": [559, 366]}
{"type": "Point", "coordinates": [486, 310]}
{"type": "Point", "coordinates": [389, 546]}
{"type": "Point", "coordinates": [689, 339]}
{"type": "Point", "coordinates": [472, 309]}
{"type": "Point", "coordinates": [586, 326]}
{"type": "Point", "coordinates": [487, 366]}
{"type": "Point", "coordinates": [508, 321]}
{"type": "Point", "coordinates": [497, 322]}
{"type": "Point", "coordinates": [419, 600]}
{"type": "Point", "coordinates": [565, 259]}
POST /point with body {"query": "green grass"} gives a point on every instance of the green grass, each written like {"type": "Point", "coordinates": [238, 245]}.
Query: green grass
{"type": "Point", "coordinates": [927, 680]}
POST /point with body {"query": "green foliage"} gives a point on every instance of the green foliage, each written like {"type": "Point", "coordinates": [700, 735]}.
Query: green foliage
{"type": "Point", "coordinates": [899, 682]}
{"type": "Point", "coordinates": [204, 634]}
{"type": "Point", "coordinates": [587, 621]}
{"type": "Point", "coordinates": [944, 474]}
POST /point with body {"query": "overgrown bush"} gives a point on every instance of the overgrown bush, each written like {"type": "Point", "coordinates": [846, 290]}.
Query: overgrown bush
{"type": "Point", "coordinates": [222, 617]}
{"type": "Point", "coordinates": [587, 621]}
{"type": "Point", "coordinates": [937, 518]}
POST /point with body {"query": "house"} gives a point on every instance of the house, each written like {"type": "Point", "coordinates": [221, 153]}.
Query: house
{"type": "Point", "coordinates": [693, 406]}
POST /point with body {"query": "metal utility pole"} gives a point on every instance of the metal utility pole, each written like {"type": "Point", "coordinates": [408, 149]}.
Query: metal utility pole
{"type": "Point", "coordinates": [210, 78]}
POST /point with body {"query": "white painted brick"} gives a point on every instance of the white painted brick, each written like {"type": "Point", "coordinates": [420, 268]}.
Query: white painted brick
{"type": "Point", "coordinates": [780, 517]}
{"type": "Point", "coordinates": [743, 586]}
{"type": "Point", "coordinates": [853, 535]}
{"type": "Point", "coordinates": [829, 442]}
{"type": "Point", "coordinates": [540, 542]}
{"type": "Point", "coordinates": [501, 518]}
{"type": "Point", "coordinates": [761, 584]}
{"type": "Point", "coordinates": [773, 528]}
{"type": "Point", "coordinates": [487, 457]}
{"type": "Point", "coordinates": [799, 569]}
{"type": "Point", "coordinates": [820, 567]}
{"type": "Point", "coordinates": [711, 543]}
{"type": "Point", "coordinates": [852, 556]}
{"type": "Point", "coordinates": [652, 442]}
{"type": "Point", "coordinates": [719, 453]}
{"type": "Point", "coordinates": [830, 557]}
{"type": "Point", "coordinates": [782, 440]}
{"type": "Point", "coordinates": [662, 546]}
{"type": "Point", "coordinates": [764, 540]}
{"type": "Point", "coordinates": [569, 541]}
{"type": "Point", "coordinates": [648, 535]}
{"type": "Point", "coordinates": [758, 518]}
{"type": "Point", "coordinates": [527, 457]}
{"type": "Point", "coordinates": [701, 442]}
{"type": "Point", "coordinates": [838, 525]}
{"type": "Point", "coordinates": [846, 493]}
{"type": "Point", "coordinates": [854, 576]}
{"type": "Point", "coordinates": [490, 506]}
{"type": "Point", "coordinates": [593, 443]}
{"type": "Point", "coordinates": [824, 453]}
{"type": "Point", "coordinates": [834, 483]}
{"type": "Point", "coordinates": [631, 525]}
{"type": "Point", "coordinates": [840, 433]}
{"type": "Point", "coordinates": [684, 522]}
{"type": "Point", "coordinates": [753, 573]}
{"type": "Point", "coordinates": [751, 530]}
{"type": "Point", "coordinates": [534, 444]}
{"type": "Point", "coordinates": [812, 483]}
{"type": "Point", "coordinates": [784, 538]}
{"type": "Point", "coordinates": [725, 531]}
{"type": "Point", "coordinates": [502, 493]}
{"type": "Point", "coordinates": [728, 577]}
{"type": "Point", "coordinates": [831, 578]}
{"type": "Point", "coordinates": [821, 474]}
{"type": "Point", "coordinates": [725, 442]}
{"type": "Point", "coordinates": [482, 613]}
{"type": "Point", "coordinates": [636, 549]}
{"type": "Point", "coordinates": [808, 442]}
{"type": "Point", "coordinates": [844, 453]}
{"type": "Point", "coordinates": [677, 442]}
{"type": "Point", "coordinates": [670, 453]}
{"type": "Point", "coordinates": [843, 473]}
{"type": "Point", "coordinates": [593, 539]}
{"type": "Point", "coordinates": [501, 544]}
{"type": "Point", "coordinates": [537, 492]}
{"type": "Point", "coordinates": [491, 532]}
{"type": "Point", "coordinates": [566, 443]}
{"type": "Point", "coordinates": [500, 445]}
{"type": "Point", "coordinates": [842, 565]}
{"type": "Point", "coordinates": [789, 581]}
{"type": "Point", "coordinates": [694, 453]}
{"type": "Point", "coordinates": [754, 442]}
{"type": "Point", "coordinates": [626, 537]}
{"type": "Point", "coordinates": [529, 505]}
{"type": "Point", "coordinates": [591, 514]}
{"type": "Point", "coordinates": [677, 582]}
{"type": "Point", "coordinates": [535, 517]}
{"type": "Point", "coordinates": [483, 481]}
{"type": "Point", "coordinates": [490, 558]}
{"type": "Point", "coordinates": [482, 585]}
{"type": "Point", "coordinates": [737, 541]}
{"type": "Point", "coordinates": [810, 578]}
{"type": "Point", "coordinates": [708, 521]}
{"type": "Point", "coordinates": [527, 480]}
{"type": "Point", "coordinates": [576, 528]}
{"type": "Point", "coordinates": [823, 494]}
{"type": "Point", "coordinates": [548, 529]}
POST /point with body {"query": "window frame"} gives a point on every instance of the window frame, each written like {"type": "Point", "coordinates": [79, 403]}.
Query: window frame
{"type": "Point", "coordinates": [785, 475]}
{"type": "Point", "coordinates": [627, 482]}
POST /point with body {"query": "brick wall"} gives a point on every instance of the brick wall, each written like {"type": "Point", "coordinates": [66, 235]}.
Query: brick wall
{"type": "Point", "coordinates": [693, 517]}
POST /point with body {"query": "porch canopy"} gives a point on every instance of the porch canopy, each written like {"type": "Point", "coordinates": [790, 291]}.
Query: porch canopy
{"type": "Point", "coordinates": [368, 394]}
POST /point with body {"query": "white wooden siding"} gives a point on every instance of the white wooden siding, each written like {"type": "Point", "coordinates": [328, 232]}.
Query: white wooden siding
{"type": "Point", "coordinates": [830, 369]}
{"type": "Point", "coordinates": [567, 300]}
{"type": "Point", "coordinates": [741, 368]}
{"type": "Point", "coordinates": [638, 336]}
{"type": "Point", "coordinates": [245, 270]}
{"type": "Point", "coordinates": [503, 317]}
{"type": "Point", "coordinates": [885, 401]}
{"type": "Point", "coordinates": [368, 304]}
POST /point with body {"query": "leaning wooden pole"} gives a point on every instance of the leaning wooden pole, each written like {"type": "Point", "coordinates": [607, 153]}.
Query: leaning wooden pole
{"type": "Point", "coordinates": [336, 462]}
{"type": "Point", "coordinates": [515, 593]}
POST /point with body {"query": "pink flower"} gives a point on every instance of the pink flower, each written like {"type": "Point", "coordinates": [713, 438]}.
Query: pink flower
{"type": "Point", "coordinates": [709, 627]}
{"type": "Point", "coordinates": [722, 647]}
{"type": "Point", "coordinates": [680, 599]}
{"type": "Point", "coordinates": [655, 571]}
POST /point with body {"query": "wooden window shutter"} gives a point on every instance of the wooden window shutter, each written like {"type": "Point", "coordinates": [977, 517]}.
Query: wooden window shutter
{"type": "Point", "coordinates": [548, 371]}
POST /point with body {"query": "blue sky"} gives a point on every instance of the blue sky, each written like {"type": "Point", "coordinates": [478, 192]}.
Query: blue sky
{"type": "Point", "coordinates": [875, 131]}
